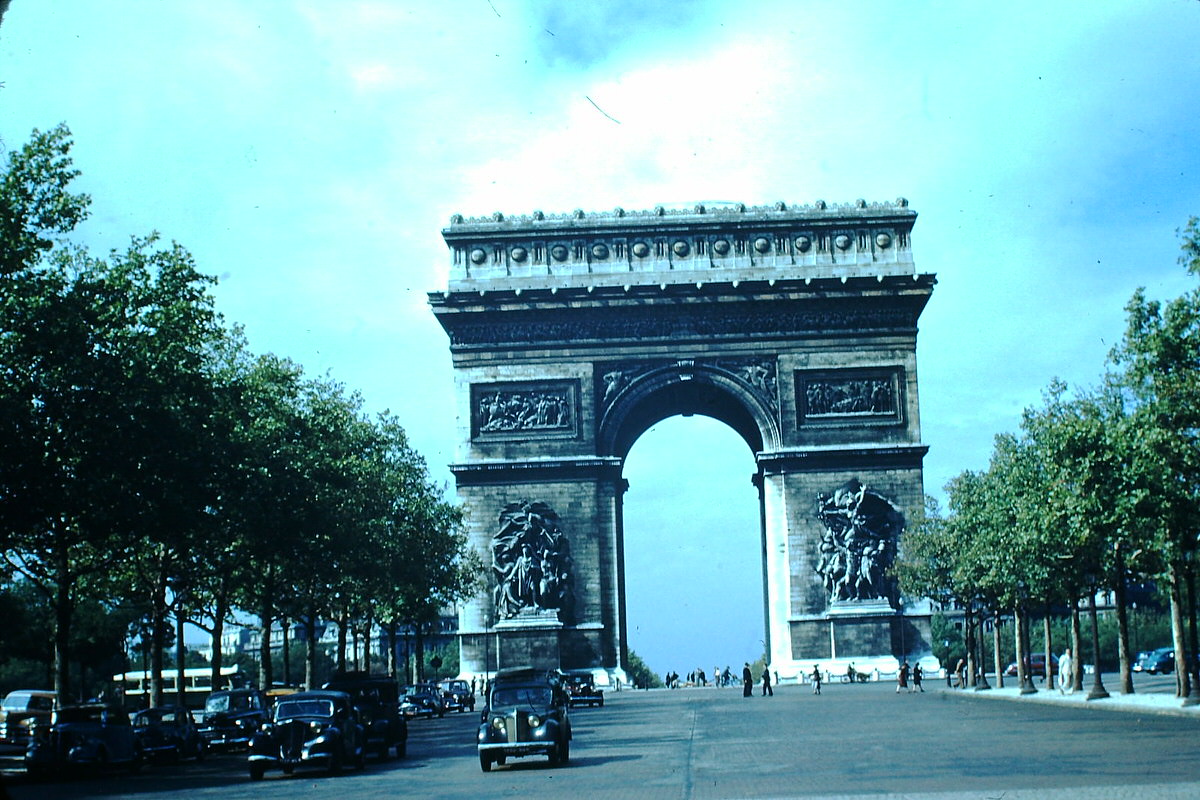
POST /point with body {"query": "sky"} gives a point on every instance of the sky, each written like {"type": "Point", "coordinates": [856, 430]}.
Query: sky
{"type": "Point", "coordinates": [309, 153]}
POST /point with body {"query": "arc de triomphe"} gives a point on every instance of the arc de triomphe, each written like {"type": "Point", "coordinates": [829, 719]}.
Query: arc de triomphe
{"type": "Point", "coordinates": [572, 334]}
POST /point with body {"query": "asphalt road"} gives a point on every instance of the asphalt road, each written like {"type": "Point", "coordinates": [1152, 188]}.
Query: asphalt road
{"type": "Point", "coordinates": [702, 744]}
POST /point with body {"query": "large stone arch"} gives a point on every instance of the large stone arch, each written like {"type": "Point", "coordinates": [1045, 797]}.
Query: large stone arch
{"type": "Point", "coordinates": [572, 335]}
{"type": "Point", "coordinates": [683, 388]}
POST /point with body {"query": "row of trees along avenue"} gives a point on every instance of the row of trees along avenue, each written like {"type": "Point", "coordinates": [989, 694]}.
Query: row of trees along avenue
{"type": "Point", "coordinates": [1098, 490]}
{"type": "Point", "coordinates": [149, 459]}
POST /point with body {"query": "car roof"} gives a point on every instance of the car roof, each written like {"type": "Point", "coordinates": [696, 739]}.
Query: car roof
{"type": "Point", "coordinates": [316, 694]}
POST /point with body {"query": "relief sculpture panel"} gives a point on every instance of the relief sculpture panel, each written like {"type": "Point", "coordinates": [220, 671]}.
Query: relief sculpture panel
{"type": "Point", "coordinates": [531, 562]}
{"type": "Point", "coordinates": [849, 397]}
{"type": "Point", "coordinates": [499, 410]}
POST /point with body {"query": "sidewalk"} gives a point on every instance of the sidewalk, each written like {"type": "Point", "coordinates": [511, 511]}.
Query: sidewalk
{"type": "Point", "coordinates": [1151, 702]}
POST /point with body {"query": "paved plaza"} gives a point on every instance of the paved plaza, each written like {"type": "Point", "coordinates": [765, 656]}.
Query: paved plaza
{"type": "Point", "coordinates": [705, 744]}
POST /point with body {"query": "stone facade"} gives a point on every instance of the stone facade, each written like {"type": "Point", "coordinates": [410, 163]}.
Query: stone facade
{"type": "Point", "coordinates": [570, 335]}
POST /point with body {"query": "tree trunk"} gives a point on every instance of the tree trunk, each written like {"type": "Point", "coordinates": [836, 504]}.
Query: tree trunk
{"type": "Point", "coordinates": [1020, 624]}
{"type": "Point", "coordinates": [1048, 649]}
{"type": "Point", "coordinates": [341, 644]}
{"type": "Point", "coordinates": [287, 657]}
{"type": "Point", "coordinates": [420, 666]}
{"type": "Point", "coordinates": [218, 633]}
{"type": "Point", "coordinates": [265, 678]}
{"type": "Point", "coordinates": [1076, 648]}
{"type": "Point", "coordinates": [63, 608]}
{"type": "Point", "coordinates": [1119, 598]}
{"type": "Point", "coordinates": [996, 634]}
{"type": "Point", "coordinates": [180, 656]}
{"type": "Point", "coordinates": [1097, 691]}
{"type": "Point", "coordinates": [310, 650]}
{"type": "Point", "coordinates": [158, 621]}
{"type": "Point", "coordinates": [1183, 685]}
{"type": "Point", "coordinates": [969, 636]}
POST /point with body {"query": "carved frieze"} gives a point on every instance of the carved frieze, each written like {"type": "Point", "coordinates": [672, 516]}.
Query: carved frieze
{"type": "Point", "coordinates": [849, 396]}
{"type": "Point", "coordinates": [531, 562]}
{"type": "Point", "coordinates": [858, 545]}
{"type": "Point", "coordinates": [501, 410]}
{"type": "Point", "coordinates": [618, 325]}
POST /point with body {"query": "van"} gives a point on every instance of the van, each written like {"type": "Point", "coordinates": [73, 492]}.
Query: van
{"type": "Point", "coordinates": [21, 711]}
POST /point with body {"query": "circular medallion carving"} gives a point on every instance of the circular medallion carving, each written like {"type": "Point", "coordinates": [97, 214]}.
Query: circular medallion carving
{"type": "Point", "coordinates": [883, 239]}
{"type": "Point", "coordinates": [842, 241]}
{"type": "Point", "coordinates": [641, 249]}
{"type": "Point", "coordinates": [803, 244]}
{"type": "Point", "coordinates": [600, 251]}
{"type": "Point", "coordinates": [478, 256]}
{"type": "Point", "coordinates": [761, 244]}
{"type": "Point", "coordinates": [720, 247]}
{"type": "Point", "coordinates": [559, 252]}
{"type": "Point", "coordinates": [680, 248]}
{"type": "Point", "coordinates": [519, 254]}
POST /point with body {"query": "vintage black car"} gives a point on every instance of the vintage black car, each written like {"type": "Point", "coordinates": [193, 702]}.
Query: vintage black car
{"type": "Point", "coordinates": [169, 732]}
{"type": "Point", "coordinates": [377, 699]}
{"type": "Point", "coordinates": [457, 695]}
{"type": "Point", "coordinates": [581, 689]}
{"type": "Point", "coordinates": [21, 711]}
{"type": "Point", "coordinates": [526, 715]}
{"type": "Point", "coordinates": [231, 716]}
{"type": "Point", "coordinates": [318, 728]}
{"type": "Point", "coordinates": [86, 736]}
{"type": "Point", "coordinates": [421, 700]}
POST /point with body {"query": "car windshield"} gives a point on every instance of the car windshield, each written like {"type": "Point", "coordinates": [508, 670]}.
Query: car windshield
{"type": "Point", "coordinates": [218, 703]}
{"type": "Point", "coordinates": [303, 708]}
{"type": "Point", "coordinates": [522, 696]}
{"type": "Point", "coordinates": [34, 702]}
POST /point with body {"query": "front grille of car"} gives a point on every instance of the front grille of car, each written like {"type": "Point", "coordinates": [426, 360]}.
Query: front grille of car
{"type": "Point", "coordinates": [295, 734]}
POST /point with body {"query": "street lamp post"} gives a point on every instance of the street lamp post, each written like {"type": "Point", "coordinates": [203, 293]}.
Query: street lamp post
{"type": "Point", "coordinates": [1098, 691]}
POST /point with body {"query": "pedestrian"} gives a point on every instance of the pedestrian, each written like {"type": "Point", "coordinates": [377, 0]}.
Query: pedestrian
{"type": "Point", "coordinates": [747, 681]}
{"type": "Point", "coordinates": [766, 682]}
{"type": "Point", "coordinates": [816, 679]}
{"type": "Point", "coordinates": [1066, 675]}
{"type": "Point", "coordinates": [902, 677]}
{"type": "Point", "coordinates": [961, 673]}
{"type": "Point", "coordinates": [917, 675]}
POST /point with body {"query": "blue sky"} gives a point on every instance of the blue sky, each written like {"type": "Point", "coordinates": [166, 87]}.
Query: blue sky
{"type": "Point", "coordinates": [309, 153]}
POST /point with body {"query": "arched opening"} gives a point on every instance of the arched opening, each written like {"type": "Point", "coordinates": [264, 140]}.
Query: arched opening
{"type": "Point", "coordinates": [693, 578]}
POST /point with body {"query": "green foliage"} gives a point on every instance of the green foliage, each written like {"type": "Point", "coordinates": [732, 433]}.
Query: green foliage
{"type": "Point", "coordinates": [147, 458]}
{"type": "Point", "coordinates": [947, 639]}
{"type": "Point", "coordinates": [640, 674]}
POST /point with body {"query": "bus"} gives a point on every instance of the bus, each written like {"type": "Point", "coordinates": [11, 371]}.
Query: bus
{"type": "Point", "coordinates": [197, 684]}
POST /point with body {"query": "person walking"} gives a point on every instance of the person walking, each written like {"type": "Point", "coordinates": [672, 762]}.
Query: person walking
{"type": "Point", "coordinates": [747, 681]}
{"type": "Point", "coordinates": [766, 682]}
{"type": "Point", "coordinates": [902, 677]}
{"type": "Point", "coordinates": [816, 679]}
{"type": "Point", "coordinates": [1066, 675]}
{"type": "Point", "coordinates": [917, 675]}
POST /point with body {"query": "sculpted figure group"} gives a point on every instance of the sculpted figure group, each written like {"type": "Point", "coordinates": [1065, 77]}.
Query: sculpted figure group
{"type": "Point", "coordinates": [859, 543]}
{"type": "Point", "coordinates": [531, 561]}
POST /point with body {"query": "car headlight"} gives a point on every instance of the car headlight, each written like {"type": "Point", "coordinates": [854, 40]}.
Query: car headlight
{"type": "Point", "coordinates": [498, 723]}
{"type": "Point", "coordinates": [534, 720]}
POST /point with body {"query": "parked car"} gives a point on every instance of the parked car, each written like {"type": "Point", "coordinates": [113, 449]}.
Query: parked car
{"type": "Point", "coordinates": [421, 700]}
{"type": "Point", "coordinates": [456, 695]}
{"type": "Point", "coordinates": [1037, 665]}
{"type": "Point", "coordinates": [377, 700]}
{"type": "Point", "coordinates": [21, 711]}
{"type": "Point", "coordinates": [83, 736]}
{"type": "Point", "coordinates": [169, 732]}
{"type": "Point", "coordinates": [1156, 661]}
{"type": "Point", "coordinates": [581, 689]}
{"type": "Point", "coordinates": [318, 728]}
{"type": "Point", "coordinates": [231, 716]}
{"type": "Point", "coordinates": [526, 715]}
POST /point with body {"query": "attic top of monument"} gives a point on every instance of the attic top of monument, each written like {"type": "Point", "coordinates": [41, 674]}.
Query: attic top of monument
{"type": "Point", "coordinates": [704, 243]}
{"type": "Point", "coordinates": [701, 211]}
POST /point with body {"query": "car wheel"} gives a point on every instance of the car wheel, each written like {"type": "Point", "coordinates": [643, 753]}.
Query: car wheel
{"type": "Point", "coordinates": [485, 762]}
{"type": "Point", "coordinates": [401, 748]}
{"type": "Point", "coordinates": [335, 763]}
{"type": "Point", "coordinates": [601, 703]}
{"type": "Point", "coordinates": [257, 770]}
{"type": "Point", "coordinates": [565, 756]}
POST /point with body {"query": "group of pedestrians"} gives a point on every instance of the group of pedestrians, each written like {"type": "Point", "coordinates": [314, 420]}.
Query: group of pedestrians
{"type": "Point", "coordinates": [904, 673]}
